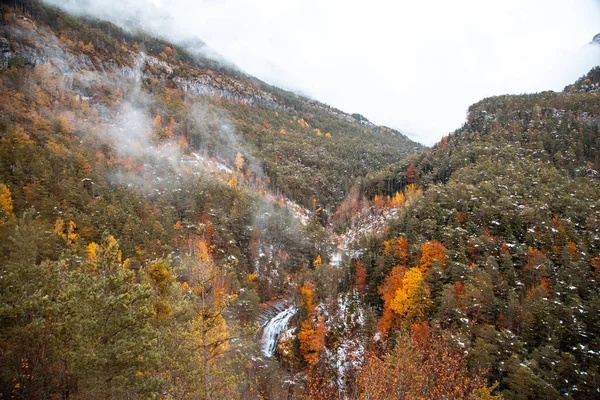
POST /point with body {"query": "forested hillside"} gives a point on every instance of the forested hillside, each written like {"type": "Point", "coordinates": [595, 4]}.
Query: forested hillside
{"type": "Point", "coordinates": [295, 139]}
{"type": "Point", "coordinates": [171, 227]}
{"type": "Point", "coordinates": [501, 251]}
{"type": "Point", "coordinates": [151, 200]}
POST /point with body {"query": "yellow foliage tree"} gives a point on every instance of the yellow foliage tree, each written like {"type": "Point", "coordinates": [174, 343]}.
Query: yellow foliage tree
{"type": "Point", "coordinates": [6, 205]}
{"type": "Point", "coordinates": [20, 136]}
{"type": "Point", "coordinates": [67, 233]}
{"type": "Point", "coordinates": [412, 297]}
{"type": "Point", "coordinates": [71, 235]}
{"type": "Point", "coordinates": [411, 192]}
{"type": "Point", "coordinates": [59, 226]}
{"type": "Point", "coordinates": [387, 247]}
{"type": "Point", "coordinates": [318, 261]}
{"type": "Point", "coordinates": [210, 333]}
{"type": "Point", "coordinates": [303, 123]}
{"type": "Point", "coordinates": [92, 253]}
{"type": "Point", "coordinates": [397, 200]}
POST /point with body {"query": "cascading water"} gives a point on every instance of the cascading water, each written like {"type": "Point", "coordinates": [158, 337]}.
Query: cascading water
{"type": "Point", "coordinates": [273, 329]}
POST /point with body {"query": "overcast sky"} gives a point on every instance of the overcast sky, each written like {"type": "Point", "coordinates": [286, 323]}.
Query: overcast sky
{"type": "Point", "coordinates": [412, 65]}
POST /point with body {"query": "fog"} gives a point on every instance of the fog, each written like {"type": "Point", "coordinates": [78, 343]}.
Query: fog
{"type": "Point", "coordinates": [414, 66]}
{"type": "Point", "coordinates": [159, 164]}
{"type": "Point", "coordinates": [129, 132]}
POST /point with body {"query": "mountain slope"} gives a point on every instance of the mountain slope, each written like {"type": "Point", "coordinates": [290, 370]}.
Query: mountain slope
{"type": "Point", "coordinates": [149, 202]}
{"type": "Point", "coordinates": [285, 132]}
{"type": "Point", "coordinates": [504, 240]}
{"type": "Point", "coordinates": [155, 207]}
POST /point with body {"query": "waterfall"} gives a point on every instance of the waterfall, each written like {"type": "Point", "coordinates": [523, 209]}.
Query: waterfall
{"type": "Point", "coordinates": [273, 329]}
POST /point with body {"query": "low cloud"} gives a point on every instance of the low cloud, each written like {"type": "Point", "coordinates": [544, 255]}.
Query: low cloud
{"type": "Point", "coordinates": [129, 130]}
{"type": "Point", "coordinates": [415, 66]}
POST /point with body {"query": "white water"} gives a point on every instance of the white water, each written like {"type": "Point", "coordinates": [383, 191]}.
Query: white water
{"type": "Point", "coordinates": [273, 329]}
{"type": "Point", "coordinates": [336, 259]}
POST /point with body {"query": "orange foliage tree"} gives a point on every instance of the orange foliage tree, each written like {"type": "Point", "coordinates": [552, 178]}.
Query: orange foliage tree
{"type": "Point", "coordinates": [392, 283]}
{"type": "Point", "coordinates": [444, 142]}
{"type": "Point", "coordinates": [423, 365]}
{"type": "Point", "coordinates": [573, 250]}
{"type": "Point", "coordinates": [432, 251]}
{"type": "Point", "coordinates": [157, 123]}
{"type": "Point", "coordinates": [312, 329]}
{"type": "Point", "coordinates": [596, 265]}
{"type": "Point", "coordinates": [312, 340]}
{"type": "Point", "coordinates": [411, 173]}
{"type": "Point", "coordinates": [360, 281]}
{"type": "Point", "coordinates": [378, 202]}
{"type": "Point", "coordinates": [401, 249]}
{"type": "Point", "coordinates": [398, 248]}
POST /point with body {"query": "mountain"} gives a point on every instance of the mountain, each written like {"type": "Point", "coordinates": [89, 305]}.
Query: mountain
{"type": "Point", "coordinates": [501, 249]}
{"type": "Point", "coordinates": [171, 227]}
{"type": "Point", "coordinates": [152, 199]}
{"type": "Point", "coordinates": [355, 146]}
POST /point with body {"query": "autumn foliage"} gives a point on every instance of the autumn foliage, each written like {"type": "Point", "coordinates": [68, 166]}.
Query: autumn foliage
{"type": "Point", "coordinates": [6, 205]}
{"type": "Point", "coordinates": [425, 364]}
{"type": "Point", "coordinates": [398, 248]}
{"type": "Point", "coordinates": [391, 285]}
{"type": "Point", "coordinates": [412, 297]}
{"type": "Point", "coordinates": [360, 280]}
{"type": "Point", "coordinates": [432, 251]}
{"type": "Point", "coordinates": [312, 329]}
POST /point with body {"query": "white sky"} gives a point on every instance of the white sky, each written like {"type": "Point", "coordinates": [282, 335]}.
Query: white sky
{"type": "Point", "coordinates": [412, 65]}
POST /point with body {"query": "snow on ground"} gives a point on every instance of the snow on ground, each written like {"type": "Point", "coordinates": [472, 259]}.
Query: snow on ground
{"type": "Point", "coordinates": [365, 223]}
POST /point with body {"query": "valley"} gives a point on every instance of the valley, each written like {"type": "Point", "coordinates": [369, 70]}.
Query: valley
{"type": "Point", "coordinates": [171, 227]}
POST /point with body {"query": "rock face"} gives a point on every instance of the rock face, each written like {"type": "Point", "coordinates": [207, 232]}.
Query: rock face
{"type": "Point", "coordinates": [596, 39]}
{"type": "Point", "coordinates": [5, 53]}
{"type": "Point", "coordinates": [271, 309]}
{"type": "Point", "coordinates": [227, 88]}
